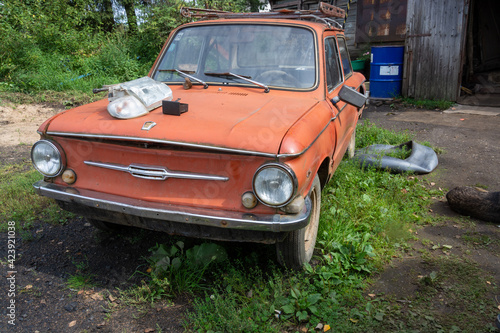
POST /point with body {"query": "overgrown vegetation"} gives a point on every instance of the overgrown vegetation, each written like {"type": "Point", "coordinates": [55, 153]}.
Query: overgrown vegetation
{"type": "Point", "coordinates": [53, 49]}
{"type": "Point", "coordinates": [173, 271]}
{"type": "Point", "coordinates": [426, 103]}
{"type": "Point", "coordinates": [62, 45]}
{"type": "Point", "coordinates": [365, 218]}
{"type": "Point", "coordinates": [19, 201]}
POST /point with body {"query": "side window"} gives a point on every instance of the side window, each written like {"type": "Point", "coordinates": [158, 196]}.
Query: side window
{"type": "Point", "coordinates": [333, 75]}
{"type": "Point", "coordinates": [344, 56]}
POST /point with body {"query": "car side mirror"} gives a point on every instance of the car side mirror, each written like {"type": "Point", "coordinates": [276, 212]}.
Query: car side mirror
{"type": "Point", "coordinates": [351, 96]}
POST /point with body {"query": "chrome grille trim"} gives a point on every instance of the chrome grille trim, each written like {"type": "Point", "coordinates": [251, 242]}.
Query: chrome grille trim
{"type": "Point", "coordinates": [154, 172]}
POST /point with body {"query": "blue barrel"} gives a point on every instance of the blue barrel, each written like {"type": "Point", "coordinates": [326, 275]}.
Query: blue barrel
{"type": "Point", "coordinates": [386, 71]}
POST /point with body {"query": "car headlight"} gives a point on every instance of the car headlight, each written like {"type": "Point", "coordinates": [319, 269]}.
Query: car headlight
{"type": "Point", "coordinates": [127, 107]}
{"type": "Point", "coordinates": [47, 157]}
{"type": "Point", "coordinates": [274, 184]}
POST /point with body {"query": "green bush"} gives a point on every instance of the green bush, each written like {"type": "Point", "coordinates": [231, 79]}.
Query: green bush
{"type": "Point", "coordinates": [62, 45]}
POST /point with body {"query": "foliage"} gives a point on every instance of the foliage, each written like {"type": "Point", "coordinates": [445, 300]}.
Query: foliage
{"type": "Point", "coordinates": [364, 56]}
{"type": "Point", "coordinates": [64, 45]}
{"type": "Point", "coordinates": [174, 270]}
{"type": "Point", "coordinates": [428, 104]}
{"type": "Point", "coordinates": [198, 258]}
{"type": "Point", "coordinates": [19, 201]}
{"type": "Point", "coordinates": [351, 256]}
{"type": "Point", "coordinates": [81, 279]}
{"type": "Point", "coordinates": [53, 46]}
{"type": "Point", "coordinates": [365, 53]}
{"type": "Point", "coordinates": [365, 214]}
{"type": "Point", "coordinates": [367, 133]}
{"type": "Point", "coordinates": [300, 305]}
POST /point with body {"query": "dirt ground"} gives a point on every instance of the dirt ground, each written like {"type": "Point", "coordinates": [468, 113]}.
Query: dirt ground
{"type": "Point", "coordinates": [49, 255]}
{"type": "Point", "coordinates": [470, 141]}
{"type": "Point", "coordinates": [18, 123]}
{"type": "Point", "coordinates": [18, 126]}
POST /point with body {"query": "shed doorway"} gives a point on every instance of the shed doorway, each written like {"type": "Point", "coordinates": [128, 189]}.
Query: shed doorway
{"type": "Point", "coordinates": [481, 70]}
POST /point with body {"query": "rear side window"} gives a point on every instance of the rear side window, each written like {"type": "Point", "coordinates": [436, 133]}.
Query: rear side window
{"type": "Point", "coordinates": [344, 56]}
{"type": "Point", "coordinates": [333, 75]}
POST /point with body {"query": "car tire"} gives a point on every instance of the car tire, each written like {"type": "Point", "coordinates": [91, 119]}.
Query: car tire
{"type": "Point", "coordinates": [298, 246]}
{"type": "Point", "coordinates": [105, 226]}
{"type": "Point", "coordinates": [351, 148]}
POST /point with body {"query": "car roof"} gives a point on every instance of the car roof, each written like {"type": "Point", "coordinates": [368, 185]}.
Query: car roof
{"type": "Point", "coordinates": [318, 26]}
{"type": "Point", "coordinates": [322, 18]}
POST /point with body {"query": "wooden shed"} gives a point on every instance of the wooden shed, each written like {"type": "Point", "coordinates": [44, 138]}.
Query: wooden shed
{"type": "Point", "coordinates": [452, 48]}
{"type": "Point", "coordinates": [453, 51]}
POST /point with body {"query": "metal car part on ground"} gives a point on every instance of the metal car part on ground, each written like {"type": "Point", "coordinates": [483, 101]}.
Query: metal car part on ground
{"type": "Point", "coordinates": [422, 159]}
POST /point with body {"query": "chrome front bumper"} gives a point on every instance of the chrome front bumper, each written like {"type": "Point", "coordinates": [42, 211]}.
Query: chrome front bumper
{"type": "Point", "coordinates": [164, 212]}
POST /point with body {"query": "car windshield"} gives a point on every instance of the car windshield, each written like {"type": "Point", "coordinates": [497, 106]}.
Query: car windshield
{"type": "Point", "coordinates": [277, 56]}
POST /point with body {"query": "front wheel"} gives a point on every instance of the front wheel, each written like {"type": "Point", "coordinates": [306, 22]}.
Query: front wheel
{"type": "Point", "coordinates": [298, 246]}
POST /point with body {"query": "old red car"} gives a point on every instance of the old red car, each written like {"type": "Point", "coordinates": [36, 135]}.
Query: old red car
{"type": "Point", "coordinates": [240, 123]}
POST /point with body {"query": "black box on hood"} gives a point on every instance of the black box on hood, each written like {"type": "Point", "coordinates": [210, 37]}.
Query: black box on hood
{"type": "Point", "coordinates": [174, 108]}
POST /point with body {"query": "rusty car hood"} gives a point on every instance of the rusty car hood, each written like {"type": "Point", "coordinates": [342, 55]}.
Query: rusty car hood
{"type": "Point", "coordinates": [252, 121]}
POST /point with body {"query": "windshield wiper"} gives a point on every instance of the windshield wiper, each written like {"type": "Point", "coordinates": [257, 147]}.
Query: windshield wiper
{"type": "Point", "coordinates": [185, 74]}
{"type": "Point", "coordinates": [244, 78]}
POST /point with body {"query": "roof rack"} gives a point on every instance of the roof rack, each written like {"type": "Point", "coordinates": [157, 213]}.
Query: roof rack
{"type": "Point", "coordinates": [324, 13]}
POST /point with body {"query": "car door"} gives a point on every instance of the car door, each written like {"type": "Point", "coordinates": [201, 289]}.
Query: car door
{"type": "Point", "coordinates": [338, 70]}
{"type": "Point", "coordinates": [353, 80]}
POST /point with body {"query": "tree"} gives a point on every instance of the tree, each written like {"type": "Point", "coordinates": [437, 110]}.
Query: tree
{"type": "Point", "coordinates": [129, 6]}
{"type": "Point", "coordinates": [107, 17]}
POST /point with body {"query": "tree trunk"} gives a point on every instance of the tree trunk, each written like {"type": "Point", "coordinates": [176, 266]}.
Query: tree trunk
{"type": "Point", "coordinates": [131, 17]}
{"type": "Point", "coordinates": [108, 19]}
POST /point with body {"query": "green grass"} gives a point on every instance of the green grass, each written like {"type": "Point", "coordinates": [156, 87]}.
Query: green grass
{"type": "Point", "coordinates": [426, 103]}
{"type": "Point", "coordinates": [365, 219]}
{"type": "Point", "coordinates": [454, 297]}
{"type": "Point", "coordinates": [253, 299]}
{"type": "Point", "coordinates": [19, 201]}
{"type": "Point", "coordinates": [80, 281]}
{"type": "Point", "coordinates": [478, 240]}
{"type": "Point", "coordinates": [368, 134]}
{"type": "Point", "coordinates": [105, 60]}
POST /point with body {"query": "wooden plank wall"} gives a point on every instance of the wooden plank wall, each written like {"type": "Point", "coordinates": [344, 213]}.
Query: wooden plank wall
{"type": "Point", "coordinates": [435, 39]}
{"type": "Point", "coordinates": [350, 24]}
